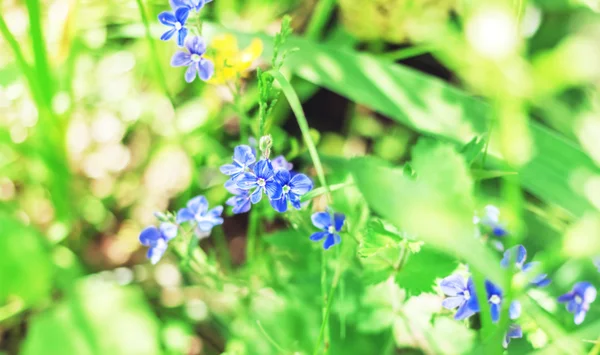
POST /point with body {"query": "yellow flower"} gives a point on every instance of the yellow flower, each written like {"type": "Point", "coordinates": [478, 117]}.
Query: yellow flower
{"type": "Point", "coordinates": [230, 62]}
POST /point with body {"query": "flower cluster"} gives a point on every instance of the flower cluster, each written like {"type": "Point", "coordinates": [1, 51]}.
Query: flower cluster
{"type": "Point", "coordinates": [193, 58]}
{"type": "Point", "coordinates": [249, 179]}
{"type": "Point", "coordinates": [196, 213]}
{"type": "Point", "coordinates": [461, 293]}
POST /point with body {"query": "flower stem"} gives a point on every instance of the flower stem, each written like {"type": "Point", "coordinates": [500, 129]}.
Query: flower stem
{"type": "Point", "coordinates": [296, 106]}
{"type": "Point", "coordinates": [328, 298]}
{"type": "Point", "coordinates": [252, 235]}
{"type": "Point", "coordinates": [406, 53]}
{"type": "Point", "coordinates": [221, 244]}
{"type": "Point", "coordinates": [319, 19]}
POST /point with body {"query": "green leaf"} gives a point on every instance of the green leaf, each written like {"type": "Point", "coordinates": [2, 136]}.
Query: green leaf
{"type": "Point", "coordinates": [26, 269]}
{"type": "Point", "coordinates": [473, 149]}
{"type": "Point", "coordinates": [442, 192]}
{"type": "Point", "coordinates": [97, 318]}
{"type": "Point", "coordinates": [419, 273]}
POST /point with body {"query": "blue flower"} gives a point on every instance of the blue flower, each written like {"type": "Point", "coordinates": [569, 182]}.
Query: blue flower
{"type": "Point", "coordinates": [579, 299]}
{"type": "Point", "coordinates": [157, 239]}
{"type": "Point", "coordinates": [323, 220]}
{"type": "Point", "coordinates": [194, 60]}
{"type": "Point", "coordinates": [461, 294]}
{"type": "Point", "coordinates": [241, 201]}
{"type": "Point", "coordinates": [197, 211]}
{"type": "Point", "coordinates": [292, 187]}
{"type": "Point", "coordinates": [263, 179]}
{"type": "Point", "coordinates": [518, 254]}
{"type": "Point", "coordinates": [243, 158]}
{"type": "Point", "coordinates": [494, 296]}
{"type": "Point", "coordinates": [514, 332]}
{"type": "Point", "coordinates": [177, 23]}
{"type": "Point", "coordinates": [491, 220]}
{"type": "Point", "coordinates": [280, 163]}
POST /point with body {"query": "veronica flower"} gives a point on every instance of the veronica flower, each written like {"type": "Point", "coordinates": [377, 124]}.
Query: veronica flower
{"type": "Point", "coordinates": [193, 60]}
{"type": "Point", "coordinates": [241, 199]}
{"type": "Point", "coordinates": [177, 23]}
{"type": "Point", "coordinates": [579, 299]}
{"type": "Point", "coordinates": [243, 158]}
{"type": "Point", "coordinates": [330, 228]}
{"type": "Point", "coordinates": [280, 163]}
{"type": "Point", "coordinates": [518, 254]}
{"type": "Point", "coordinates": [494, 296]}
{"type": "Point", "coordinates": [514, 332]}
{"type": "Point", "coordinates": [197, 211]}
{"type": "Point", "coordinates": [157, 239]}
{"type": "Point", "coordinates": [491, 220]}
{"type": "Point", "coordinates": [461, 294]}
{"type": "Point", "coordinates": [292, 187]}
{"type": "Point", "coordinates": [262, 178]}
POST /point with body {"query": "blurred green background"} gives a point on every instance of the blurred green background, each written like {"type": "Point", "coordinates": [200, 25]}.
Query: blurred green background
{"type": "Point", "coordinates": [97, 132]}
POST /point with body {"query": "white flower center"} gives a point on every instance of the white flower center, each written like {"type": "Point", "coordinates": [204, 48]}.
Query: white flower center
{"type": "Point", "coordinates": [261, 182]}
{"type": "Point", "coordinates": [466, 295]}
{"type": "Point", "coordinates": [178, 26]}
{"type": "Point", "coordinates": [196, 58]}
{"type": "Point", "coordinates": [578, 299]}
{"type": "Point", "coordinates": [286, 189]}
{"type": "Point", "coordinates": [495, 299]}
{"type": "Point", "coordinates": [331, 229]}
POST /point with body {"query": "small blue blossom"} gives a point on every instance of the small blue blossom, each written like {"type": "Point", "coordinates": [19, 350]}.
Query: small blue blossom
{"type": "Point", "coordinates": [157, 239]}
{"type": "Point", "coordinates": [491, 220]}
{"type": "Point", "coordinates": [243, 158]}
{"type": "Point", "coordinates": [262, 178]}
{"type": "Point", "coordinates": [518, 254]}
{"type": "Point", "coordinates": [461, 294]}
{"type": "Point", "coordinates": [514, 332]}
{"type": "Point", "coordinates": [194, 60]}
{"type": "Point", "coordinates": [241, 199]}
{"type": "Point", "coordinates": [280, 163]}
{"type": "Point", "coordinates": [197, 211]}
{"type": "Point", "coordinates": [494, 296]}
{"type": "Point", "coordinates": [292, 187]}
{"type": "Point", "coordinates": [189, 4]}
{"type": "Point", "coordinates": [330, 228]}
{"type": "Point", "coordinates": [176, 21]}
{"type": "Point", "coordinates": [578, 300]}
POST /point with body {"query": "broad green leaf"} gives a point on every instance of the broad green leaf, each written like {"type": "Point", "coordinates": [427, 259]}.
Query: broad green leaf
{"type": "Point", "coordinates": [419, 273]}
{"type": "Point", "coordinates": [437, 207]}
{"type": "Point", "coordinates": [26, 268]}
{"type": "Point", "coordinates": [97, 318]}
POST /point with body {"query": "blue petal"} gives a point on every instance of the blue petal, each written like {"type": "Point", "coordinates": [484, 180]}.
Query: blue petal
{"type": "Point", "coordinates": [295, 200]}
{"type": "Point", "coordinates": [453, 285]}
{"type": "Point", "coordinates": [242, 205]}
{"type": "Point", "coordinates": [579, 316]}
{"type": "Point", "coordinates": [243, 155]}
{"type": "Point", "coordinates": [329, 241]}
{"type": "Point", "coordinates": [198, 205]}
{"type": "Point", "coordinates": [514, 310]}
{"type": "Point", "coordinates": [256, 196]}
{"type": "Point", "coordinates": [206, 69]}
{"type": "Point", "coordinates": [273, 189]}
{"type": "Point", "coordinates": [232, 187]}
{"type": "Point", "coordinates": [283, 177]}
{"type": "Point", "coordinates": [453, 302]}
{"type": "Point", "coordinates": [321, 220]}
{"type": "Point", "coordinates": [181, 36]}
{"type": "Point", "coordinates": [514, 331]}
{"type": "Point", "coordinates": [181, 14]}
{"type": "Point", "coordinates": [280, 163]}
{"type": "Point", "coordinates": [541, 280]}
{"type": "Point", "coordinates": [567, 297]}
{"type": "Point", "coordinates": [167, 35]}
{"type": "Point", "coordinates": [156, 252]}
{"type": "Point", "coordinates": [190, 73]}
{"type": "Point", "coordinates": [263, 169]}
{"type": "Point", "coordinates": [585, 290]}
{"type": "Point", "coordinates": [196, 45]}
{"type": "Point", "coordinates": [492, 289]}
{"type": "Point", "coordinates": [463, 312]}
{"type": "Point", "coordinates": [300, 184]}
{"type": "Point", "coordinates": [184, 215]}
{"type": "Point", "coordinates": [338, 220]}
{"type": "Point", "coordinates": [280, 205]}
{"type": "Point", "coordinates": [167, 18]}
{"type": "Point", "coordinates": [149, 236]}
{"type": "Point", "coordinates": [315, 237]}
{"type": "Point", "coordinates": [495, 311]}
{"type": "Point", "coordinates": [168, 230]}
{"type": "Point", "coordinates": [521, 255]}
{"type": "Point", "coordinates": [247, 181]}
{"type": "Point", "coordinates": [205, 226]}
{"type": "Point", "coordinates": [231, 169]}
{"type": "Point", "coordinates": [180, 59]}
{"type": "Point", "coordinates": [499, 231]}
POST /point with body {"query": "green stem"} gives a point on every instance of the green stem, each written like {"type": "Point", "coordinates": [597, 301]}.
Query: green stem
{"type": "Point", "coordinates": [296, 106]}
{"type": "Point", "coordinates": [222, 247]}
{"type": "Point", "coordinates": [252, 235]}
{"type": "Point", "coordinates": [319, 19]}
{"type": "Point", "coordinates": [39, 51]}
{"type": "Point", "coordinates": [327, 309]}
{"type": "Point", "coordinates": [406, 53]}
{"type": "Point", "coordinates": [322, 191]}
{"type": "Point", "coordinates": [324, 313]}
{"type": "Point", "coordinates": [153, 52]}
{"type": "Point", "coordinates": [487, 327]}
